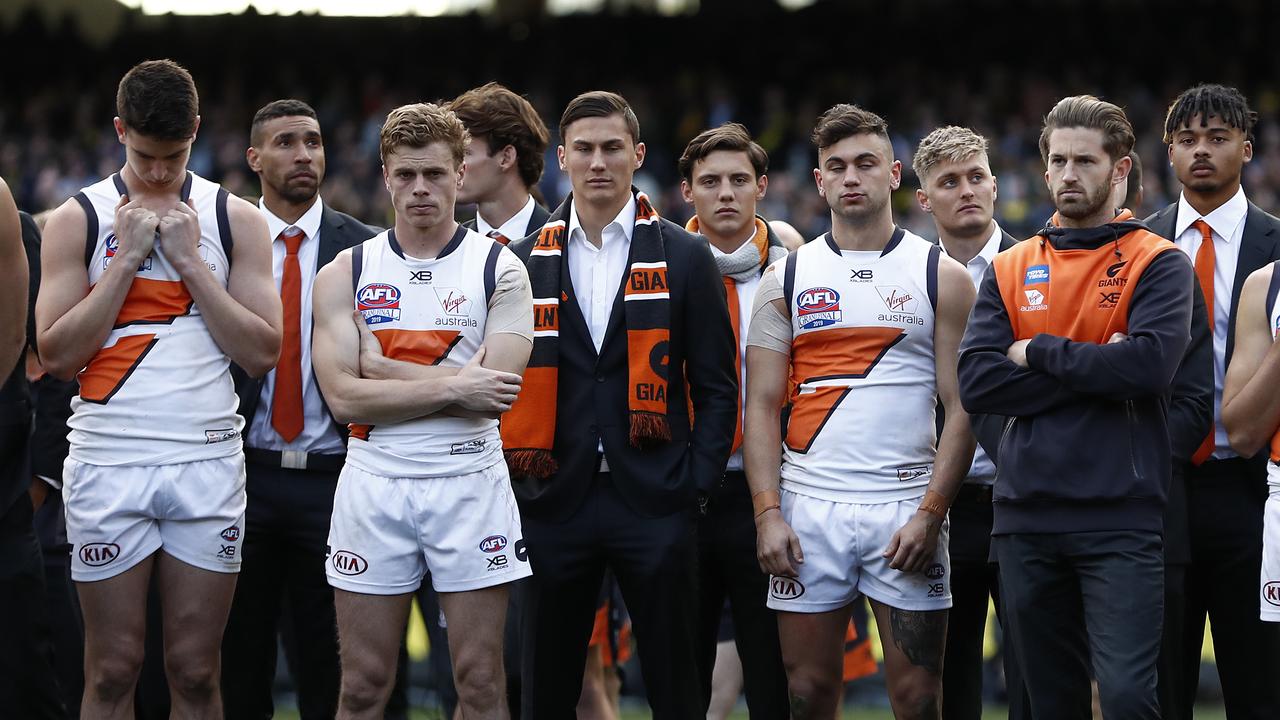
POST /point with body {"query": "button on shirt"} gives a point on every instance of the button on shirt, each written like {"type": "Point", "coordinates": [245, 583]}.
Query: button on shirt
{"type": "Point", "coordinates": [318, 433]}
{"type": "Point", "coordinates": [596, 272]}
{"type": "Point", "coordinates": [982, 471]}
{"type": "Point", "coordinates": [514, 228]}
{"type": "Point", "coordinates": [1227, 223]}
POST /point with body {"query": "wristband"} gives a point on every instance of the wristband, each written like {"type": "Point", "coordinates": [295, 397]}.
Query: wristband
{"type": "Point", "coordinates": [934, 503]}
{"type": "Point", "coordinates": [765, 500]}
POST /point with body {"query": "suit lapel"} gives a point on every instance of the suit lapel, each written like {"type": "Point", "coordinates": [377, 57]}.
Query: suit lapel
{"type": "Point", "coordinates": [569, 308]}
{"type": "Point", "coordinates": [537, 220]}
{"type": "Point", "coordinates": [1162, 222]}
{"type": "Point", "coordinates": [1258, 246]}
{"type": "Point", "coordinates": [331, 230]}
{"type": "Point", "coordinates": [1006, 240]}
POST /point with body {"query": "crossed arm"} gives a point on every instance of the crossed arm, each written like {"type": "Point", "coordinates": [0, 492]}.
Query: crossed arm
{"type": "Point", "coordinates": [362, 386]}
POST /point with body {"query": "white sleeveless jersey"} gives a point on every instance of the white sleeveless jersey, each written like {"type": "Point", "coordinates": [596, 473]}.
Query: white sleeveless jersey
{"type": "Point", "coordinates": [159, 391]}
{"type": "Point", "coordinates": [1273, 321]}
{"type": "Point", "coordinates": [861, 427]}
{"type": "Point", "coordinates": [430, 312]}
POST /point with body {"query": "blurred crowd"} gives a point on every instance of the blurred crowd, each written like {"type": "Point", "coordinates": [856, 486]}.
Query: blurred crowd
{"type": "Point", "coordinates": [56, 135]}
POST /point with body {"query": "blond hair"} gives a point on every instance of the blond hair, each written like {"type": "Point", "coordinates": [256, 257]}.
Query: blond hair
{"type": "Point", "coordinates": [946, 144]}
{"type": "Point", "coordinates": [420, 124]}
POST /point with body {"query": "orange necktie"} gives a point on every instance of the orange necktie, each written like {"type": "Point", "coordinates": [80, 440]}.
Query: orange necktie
{"type": "Point", "coordinates": [499, 237]}
{"type": "Point", "coordinates": [1204, 274]}
{"type": "Point", "coordinates": [286, 400]}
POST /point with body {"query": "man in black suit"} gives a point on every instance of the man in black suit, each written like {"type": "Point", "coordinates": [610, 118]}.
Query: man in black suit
{"type": "Point", "coordinates": [28, 682]}
{"type": "Point", "coordinates": [504, 162]}
{"type": "Point", "coordinates": [293, 448]}
{"type": "Point", "coordinates": [1209, 130]}
{"type": "Point", "coordinates": [608, 465]}
{"type": "Point", "coordinates": [958, 189]}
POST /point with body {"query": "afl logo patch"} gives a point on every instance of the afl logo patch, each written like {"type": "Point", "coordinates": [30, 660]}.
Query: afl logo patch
{"type": "Point", "coordinates": [113, 245]}
{"type": "Point", "coordinates": [378, 303]}
{"type": "Point", "coordinates": [817, 307]}
{"type": "Point", "coordinates": [493, 543]}
{"type": "Point", "coordinates": [231, 534]}
{"type": "Point", "coordinates": [785, 588]}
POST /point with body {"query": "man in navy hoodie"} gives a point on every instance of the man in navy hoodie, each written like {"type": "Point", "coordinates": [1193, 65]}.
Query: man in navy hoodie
{"type": "Point", "coordinates": [1075, 337]}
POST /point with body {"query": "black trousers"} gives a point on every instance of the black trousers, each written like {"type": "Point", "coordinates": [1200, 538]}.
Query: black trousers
{"type": "Point", "coordinates": [1173, 681]}
{"type": "Point", "coordinates": [974, 580]}
{"type": "Point", "coordinates": [653, 559]}
{"type": "Point", "coordinates": [1226, 499]}
{"type": "Point", "coordinates": [28, 681]}
{"type": "Point", "coordinates": [727, 568]}
{"type": "Point", "coordinates": [282, 580]}
{"type": "Point", "coordinates": [1073, 598]}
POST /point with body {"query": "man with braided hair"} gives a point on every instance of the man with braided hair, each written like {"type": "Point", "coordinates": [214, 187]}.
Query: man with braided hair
{"type": "Point", "coordinates": [1209, 131]}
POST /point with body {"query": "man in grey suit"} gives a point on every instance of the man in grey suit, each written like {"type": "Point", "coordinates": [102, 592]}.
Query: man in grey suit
{"type": "Point", "coordinates": [1209, 131]}
{"type": "Point", "coordinates": [293, 448]}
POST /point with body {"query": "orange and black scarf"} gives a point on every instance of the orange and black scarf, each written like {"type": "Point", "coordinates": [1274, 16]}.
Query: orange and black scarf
{"type": "Point", "coordinates": [767, 249]}
{"type": "Point", "coordinates": [528, 429]}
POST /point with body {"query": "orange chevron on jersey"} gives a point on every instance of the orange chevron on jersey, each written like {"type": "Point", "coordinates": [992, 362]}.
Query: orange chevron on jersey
{"type": "Point", "coordinates": [831, 354]}
{"type": "Point", "coordinates": [154, 302]}
{"type": "Point", "coordinates": [111, 366]}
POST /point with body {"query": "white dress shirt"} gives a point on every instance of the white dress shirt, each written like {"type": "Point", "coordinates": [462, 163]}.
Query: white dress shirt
{"type": "Point", "coordinates": [596, 272]}
{"type": "Point", "coordinates": [1227, 223]}
{"type": "Point", "coordinates": [318, 433]}
{"type": "Point", "coordinates": [514, 228]}
{"type": "Point", "coordinates": [982, 471]}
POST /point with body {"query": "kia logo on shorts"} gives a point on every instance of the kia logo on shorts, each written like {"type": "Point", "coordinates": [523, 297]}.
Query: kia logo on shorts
{"type": "Point", "coordinates": [935, 571]}
{"type": "Point", "coordinates": [493, 544]}
{"type": "Point", "coordinates": [99, 554]}
{"type": "Point", "coordinates": [785, 588]}
{"type": "Point", "coordinates": [349, 563]}
{"type": "Point", "coordinates": [231, 534]}
{"type": "Point", "coordinates": [1271, 593]}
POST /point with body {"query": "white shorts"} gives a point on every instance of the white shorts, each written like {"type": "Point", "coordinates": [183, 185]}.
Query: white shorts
{"type": "Point", "coordinates": [1270, 596]}
{"type": "Point", "coordinates": [386, 533]}
{"type": "Point", "coordinates": [842, 543]}
{"type": "Point", "coordinates": [119, 515]}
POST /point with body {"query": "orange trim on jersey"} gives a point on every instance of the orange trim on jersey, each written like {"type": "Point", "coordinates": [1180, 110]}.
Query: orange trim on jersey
{"type": "Point", "coordinates": [422, 347]}
{"type": "Point", "coordinates": [154, 302]}
{"type": "Point", "coordinates": [841, 353]}
{"type": "Point", "coordinates": [360, 432]}
{"type": "Point", "coordinates": [111, 367]}
{"type": "Point", "coordinates": [1082, 295]}
{"type": "Point", "coordinates": [1275, 447]}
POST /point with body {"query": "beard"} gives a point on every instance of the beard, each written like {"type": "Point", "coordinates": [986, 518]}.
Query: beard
{"type": "Point", "coordinates": [298, 194]}
{"type": "Point", "coordinates": [1094, 201]}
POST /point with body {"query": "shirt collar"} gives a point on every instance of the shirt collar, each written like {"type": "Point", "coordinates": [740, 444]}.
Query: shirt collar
{"type": "Point", "coordinates": [1223, 220]}
{"type": "Point", "coordinates": [625, 221]}
{"type": "Point", "coordinates": [309, 223]}
{"type": "Point", "coordinates": [988, 251]}
{"type": "Point", "coordinates": [514, 228]}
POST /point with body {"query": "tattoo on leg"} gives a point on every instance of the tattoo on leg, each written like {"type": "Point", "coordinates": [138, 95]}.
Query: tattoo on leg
{"type": "Point", "coordinates": [800, 709]}
{"type": "Point", "coordinates": [920, 636]}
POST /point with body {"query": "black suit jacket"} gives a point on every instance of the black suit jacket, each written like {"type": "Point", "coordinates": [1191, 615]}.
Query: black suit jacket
{"type": "Point", "coordinates": [536, 221]}
{"type": "Point", "coordinates": [986, 428]}
{"type": "Point", "coordinates": [338, 231]}
{"type": "Point", "coordinates": [593, 391]}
